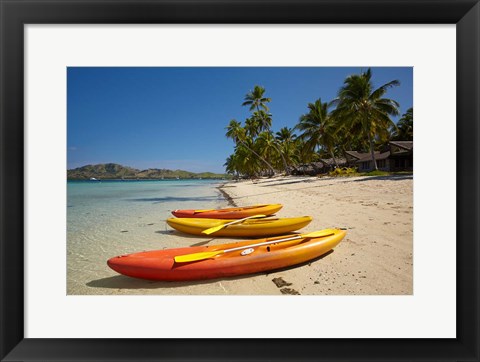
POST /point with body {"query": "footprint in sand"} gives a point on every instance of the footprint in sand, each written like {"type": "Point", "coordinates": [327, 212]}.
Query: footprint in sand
{"type": "Point", "coordinates": [279, 282]}
{"type": "Point", "coordinates": [289, 291]}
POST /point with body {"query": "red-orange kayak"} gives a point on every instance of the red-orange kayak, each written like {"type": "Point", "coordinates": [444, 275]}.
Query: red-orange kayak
{"type": "Point", "coordinates": [274, 253]}
{"type": "Point", "coordinates": [231, 212]}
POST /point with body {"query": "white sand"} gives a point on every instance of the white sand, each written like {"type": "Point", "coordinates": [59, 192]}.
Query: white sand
{"type": "Point", "coordinates": [377, 212]}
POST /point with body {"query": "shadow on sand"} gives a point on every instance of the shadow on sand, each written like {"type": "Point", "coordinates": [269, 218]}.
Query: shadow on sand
{"type": "Point", "coordinates": [306, 180]}
{"type": "Point", "coordinates": [189, 236]}
{"type": "Point", "coordinates": [386, 178]}
{"type": "Point", "coordinates": [124, 282]}
{"type": "Point", "coordinates": [283, 190]}
{"type": "Point", "coordinates": [328, 182]}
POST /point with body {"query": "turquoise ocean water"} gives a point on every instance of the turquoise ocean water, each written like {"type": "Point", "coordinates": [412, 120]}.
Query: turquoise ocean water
{"type": "Point", "coordinates": [109, 218]}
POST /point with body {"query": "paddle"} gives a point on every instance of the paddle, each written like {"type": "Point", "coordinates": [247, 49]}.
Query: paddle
{"type": "Point", "coordinates": [220, 227]}
{"type": "Point", "coordinates": [210, 254]}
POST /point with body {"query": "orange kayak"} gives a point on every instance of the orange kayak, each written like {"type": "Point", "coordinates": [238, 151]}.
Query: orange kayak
{"type": "Point", "coordinates": [218, 262]}
{"type": "Point", "coordinates": [230, 213]}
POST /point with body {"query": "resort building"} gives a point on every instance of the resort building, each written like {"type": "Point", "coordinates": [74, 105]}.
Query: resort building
{"type": "Point", "coordinates": [399, 157]}
{"type": "Point", "coordinates": [330, 163]}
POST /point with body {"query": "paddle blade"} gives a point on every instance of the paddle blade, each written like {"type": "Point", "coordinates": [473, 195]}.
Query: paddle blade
{"type": "Point", "coordinates": [196, 256]}
{"type": "Point", "coordinates": [206, 210]}
{"type": "Point", "coordinates": [220, 227]}
{"type": "Point", "coordinates": [212, 230]}
{"type": "Point", "coordinates": [319, 234]}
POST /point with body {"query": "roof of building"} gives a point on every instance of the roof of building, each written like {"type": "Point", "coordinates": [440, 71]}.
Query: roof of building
{"type": "Point", "coordinates": [367, 156]}
{"type": "Point", "coordinates": [354, 154]}
{"type": "Point", "coordinates": [406, 145]}
{"type": "Point", "coordinates": [331, 161]}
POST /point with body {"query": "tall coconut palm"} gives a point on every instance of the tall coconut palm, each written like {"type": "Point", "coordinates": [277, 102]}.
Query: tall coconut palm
{"type": "Point", "coordinates": [257, 101]}
{"type": "Point", "coordinates": [237, 133]}
{"type": "Point", "coordinates": [359, 103]}
{"type": "Point", "coordinates": [317, 127]}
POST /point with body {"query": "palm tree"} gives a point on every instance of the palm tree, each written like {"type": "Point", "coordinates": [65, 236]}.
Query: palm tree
{"type": "Point", "coordinates": [318, 128]}
{"type": "Point", "coordinates": [236, 132]}
{"type": "Point", "coordinates": [253, 126]}
{"type": "Point", "coordinates": [359, 103]}
{"type": "Point", "coordinates": [285, 135]}
{"type": "Point", "coordinates": [404, 129]}
{"type": "Point", "coordinates": [246, 162]}
{"type": "Point", "coordinates": [287, 139]}
{"type": "Point", "coordinates": [257, 101]}
{"type": "Point", "coordinates": [263, 120]}
{"type": "Point", "coordinates": [266, 147]}
{"type": "Point", "coordinates": [303, 151]}
{"type": "Point", "coordinates": [231, 165]}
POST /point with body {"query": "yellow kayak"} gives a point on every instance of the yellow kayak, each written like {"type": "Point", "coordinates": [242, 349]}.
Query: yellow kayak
{"type": "Point", "coordinates": [251, 227]}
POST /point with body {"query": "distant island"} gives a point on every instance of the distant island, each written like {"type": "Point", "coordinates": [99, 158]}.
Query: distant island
{"type": "Point", "coordinates": [113, 171]}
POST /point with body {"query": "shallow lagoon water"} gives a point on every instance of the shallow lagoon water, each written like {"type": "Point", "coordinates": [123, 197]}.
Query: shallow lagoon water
{"type": "Point", "coordinates": [109, 218]}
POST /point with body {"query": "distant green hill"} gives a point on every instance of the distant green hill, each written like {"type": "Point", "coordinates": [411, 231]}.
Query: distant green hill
{"type": "Point", "coordinates": [113, 171]}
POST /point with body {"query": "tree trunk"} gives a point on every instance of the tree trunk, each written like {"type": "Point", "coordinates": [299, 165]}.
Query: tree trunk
{"type": "Point", "coordinates": [372, 151]}
{"type": "Point", "coordinates": [343, 150]}
{"type": "Point", "coordinates": [334, 159]}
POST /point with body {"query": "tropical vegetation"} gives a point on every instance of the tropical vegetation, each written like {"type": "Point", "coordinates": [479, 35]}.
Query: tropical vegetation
{"type": "Point", "coordinates": [361, 106]}
{"type": "Point", "coordinates": [404, 128]}
{"type": "Point", "coordinates": [359, 118]}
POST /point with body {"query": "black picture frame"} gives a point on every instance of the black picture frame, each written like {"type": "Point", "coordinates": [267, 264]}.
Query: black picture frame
{"type": "Point", "coordinates": [15, 14]}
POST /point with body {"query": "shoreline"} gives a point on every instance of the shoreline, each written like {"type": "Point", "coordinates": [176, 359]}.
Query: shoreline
{"type": "Point", "coordinates": [226, 195]}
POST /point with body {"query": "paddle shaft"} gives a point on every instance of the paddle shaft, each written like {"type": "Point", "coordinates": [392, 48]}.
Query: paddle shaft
{"type": "Point", "coordinates": [241, 220]}
{"type": "Point", "coordinates": [264, 243]}
{"type": "Point", "coordinates": [220, 227]}
{"type": "Point", "coordinates": [269, 242]}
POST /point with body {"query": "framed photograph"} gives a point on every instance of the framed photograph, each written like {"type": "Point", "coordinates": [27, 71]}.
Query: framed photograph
{"type": "Point", "coordinates": [117, 114]}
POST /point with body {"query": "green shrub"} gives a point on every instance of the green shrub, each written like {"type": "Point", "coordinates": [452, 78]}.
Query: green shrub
{"type": "Point", "coordinates": [343, 171]}
{"type": "Point", "coordinates": [377, 173]}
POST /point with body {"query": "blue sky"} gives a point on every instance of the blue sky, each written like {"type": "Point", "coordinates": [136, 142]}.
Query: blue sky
{"type": "Point", "coordinates": [175, 118]}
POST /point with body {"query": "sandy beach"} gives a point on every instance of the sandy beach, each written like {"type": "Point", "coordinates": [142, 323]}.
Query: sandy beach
{"type": "Point", "coordinates": [375, 258]}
